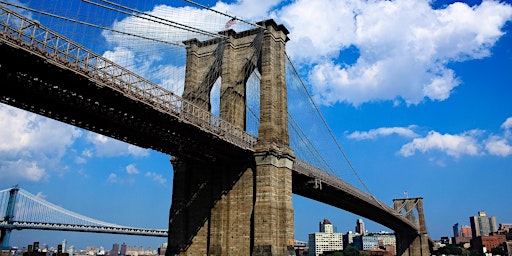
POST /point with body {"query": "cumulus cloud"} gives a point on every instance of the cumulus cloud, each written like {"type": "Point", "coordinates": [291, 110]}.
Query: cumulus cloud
{"type": "Point", "coordinates": [453, 145]}
{"type": "Point", "coordinates": [507, 124]}
{"type": "Point", "coordinates": [471, 143]}
{"type": "Point", "coordinates": [406, 132]}
{"type": "Point", "coordinates": [107, 147]}
{"type": "Point", "coordinates": [404, 46]}
{"type": "Point", "coordinates": [500, 145]}
{"type": "Point", "coordinates": [41, 195]}
{"type": "Point", "coordinates": [29, 144]}
{"type": "Point", "coordinates": [131, 169]}
{"type": "Point", "coordinates": [158, 178]}
{"type": "Point", "coordinates": [112, 178]}
{"type": "Point", "coordinates": [22, 170]}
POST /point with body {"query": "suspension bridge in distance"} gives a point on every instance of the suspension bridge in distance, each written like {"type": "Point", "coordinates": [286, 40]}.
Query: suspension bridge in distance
{"type": "Point", "coordinates": [22, 210]}
{"type": "Point", "coordinates": [224, 177]}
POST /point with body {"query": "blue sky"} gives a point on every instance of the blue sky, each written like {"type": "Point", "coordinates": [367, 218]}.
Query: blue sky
{"type": "Point", "coordinates": [416, 92]}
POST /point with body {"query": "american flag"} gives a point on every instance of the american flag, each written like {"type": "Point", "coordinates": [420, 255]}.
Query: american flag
{"type": "Point", "coordinates": [230, 23]}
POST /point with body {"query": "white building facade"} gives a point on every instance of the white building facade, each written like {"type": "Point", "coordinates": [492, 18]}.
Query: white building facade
{"type": "Point", "coordinates": [326, 240]}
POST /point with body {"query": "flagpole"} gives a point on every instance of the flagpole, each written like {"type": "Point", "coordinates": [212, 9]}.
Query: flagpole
{"type": "Point", "coordinates": [225, 14]}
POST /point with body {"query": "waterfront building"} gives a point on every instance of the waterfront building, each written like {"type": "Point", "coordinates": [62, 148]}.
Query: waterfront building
{"type": "Point", "coordinates": [366, 243]}
{"type": "Point", "coordinates": [325, 240]}
{"type": "Point", "coordinates": [462, 235]}
{"type": "Point", "coordinates": [162, 249]}
{"type": "Point", "coordinates": [348, 239]}
{"type": "Point", "coordinates": [489, 242]}
{"type": "Point", "coordinates": [482, 225]}
{"type": "Point", "coordinates": [385, 239]}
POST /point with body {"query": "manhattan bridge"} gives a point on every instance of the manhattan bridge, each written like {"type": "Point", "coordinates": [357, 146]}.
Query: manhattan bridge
{"type": "Point", "coordinates": [217, 93]}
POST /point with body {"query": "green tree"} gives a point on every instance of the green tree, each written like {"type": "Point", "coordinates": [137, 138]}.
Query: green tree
{"type": "Point", "coordinates": [500, 250]}
{"type": "Point", "coordinates": [449, 249]}
{"type": "Point", "coordinates": [350, 251]}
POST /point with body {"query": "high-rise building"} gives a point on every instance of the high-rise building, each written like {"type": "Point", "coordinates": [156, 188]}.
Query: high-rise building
{"type": "Point", "coordinates": [115, 250]}
{"type": "Point", "coordinates": [482, 225]}
{"type": "Point", "coordinates": [325, 240]}
{"type": "Point", "coordinates": [123, 249]}
{"type": "Point", "coordinates": [360, 227]}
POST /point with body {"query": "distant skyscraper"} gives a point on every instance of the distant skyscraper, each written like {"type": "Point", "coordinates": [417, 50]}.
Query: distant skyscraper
{"type": "Point", "coordinates": [482, 225]}
{"type": "Point", "coordinates": [123, 249]}
{"type": "Point", "coordinates": [360, 227]}
{"type": "Point", "coordinates": [115, 250]}
{"type": "Point", "coordinates": [64, 242]}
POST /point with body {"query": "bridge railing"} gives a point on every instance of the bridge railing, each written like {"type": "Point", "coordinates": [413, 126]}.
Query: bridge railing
{"type": "Point", "coordinates": [31, 36]}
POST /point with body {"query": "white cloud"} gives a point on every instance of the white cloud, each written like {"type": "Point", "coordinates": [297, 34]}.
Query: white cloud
{"type": "Point", "coordinates": [22, 170]}
{"type": "Point", "coordinates": [112, 178]}
{"type": "Point", "coordinates": [404, 46]}
{"type": "Point", "coordinates": [131, 169]}
{"type": "Point", "coordinates": [248, 9]}
{"type": "Point", "coordinates": [499, 146]}
{"type": "Point", "coordinates": [29, 144]}
{"type": "Point", "coordinates": [85, 155]}
{"type": "Point", "coordinates": [41, 195]}
{"type": "Point", "coordinates": [156, 177]}
{"type": "Point", "coordinates": [507, 124]}
{"type": "Point", "coordinates": [406, 132]}
{"type": "Point", "coordinates": [107, 147]}
{"type": "Point", "coordinates": [452, 145]}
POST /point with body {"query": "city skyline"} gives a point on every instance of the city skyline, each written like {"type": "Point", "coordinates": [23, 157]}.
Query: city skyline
{"type": "Point", "coordinates": [416, 92]}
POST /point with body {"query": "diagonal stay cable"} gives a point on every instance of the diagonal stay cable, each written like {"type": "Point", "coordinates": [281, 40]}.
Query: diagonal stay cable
{"type": "Point", "coordinates": [155, 19]}
{"type": "Point", "coordinates": [87, 23]}
{"type": "Point", "coordinates": [329, 129]}
{"type": "Point", "coordinates": [310, 146]}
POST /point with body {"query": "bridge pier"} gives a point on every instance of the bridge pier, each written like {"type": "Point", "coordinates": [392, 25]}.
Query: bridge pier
{"type": "Point", "coordinates": [239, 204]}
{"type": "Point", "coordinates": [211, 210]}
{"type": "Point", "coordinates": [412, 243]}
{"type": "Point", "coordinates": [273, 209]}
{"type": "Point", "coordinates": [5, 233]}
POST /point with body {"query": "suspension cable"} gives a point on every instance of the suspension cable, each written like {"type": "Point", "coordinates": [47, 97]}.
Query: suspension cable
{"type": "Point", "coordinates": [158, 20]}
{"type": "Point", "coordinates": [329, 129]}
{"type": "Point", "coordinates": [87, 24]}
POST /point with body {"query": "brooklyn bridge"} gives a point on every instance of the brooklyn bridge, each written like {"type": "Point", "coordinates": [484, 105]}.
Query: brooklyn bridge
{"type": "Point", "coordinates": [233, 180]}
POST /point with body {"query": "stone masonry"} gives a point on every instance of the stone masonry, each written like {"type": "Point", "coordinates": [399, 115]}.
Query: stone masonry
{"type": "Point", "coordinates": [243, 206]}
{"type": "Point", "coordinates": [412, 244]}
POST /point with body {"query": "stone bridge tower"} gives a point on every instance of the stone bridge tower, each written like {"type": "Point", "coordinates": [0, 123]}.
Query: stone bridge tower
{"type": "Point", "coordinates": [238, 203]}
{"type": "Point", "coordinates": [412, 244]}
